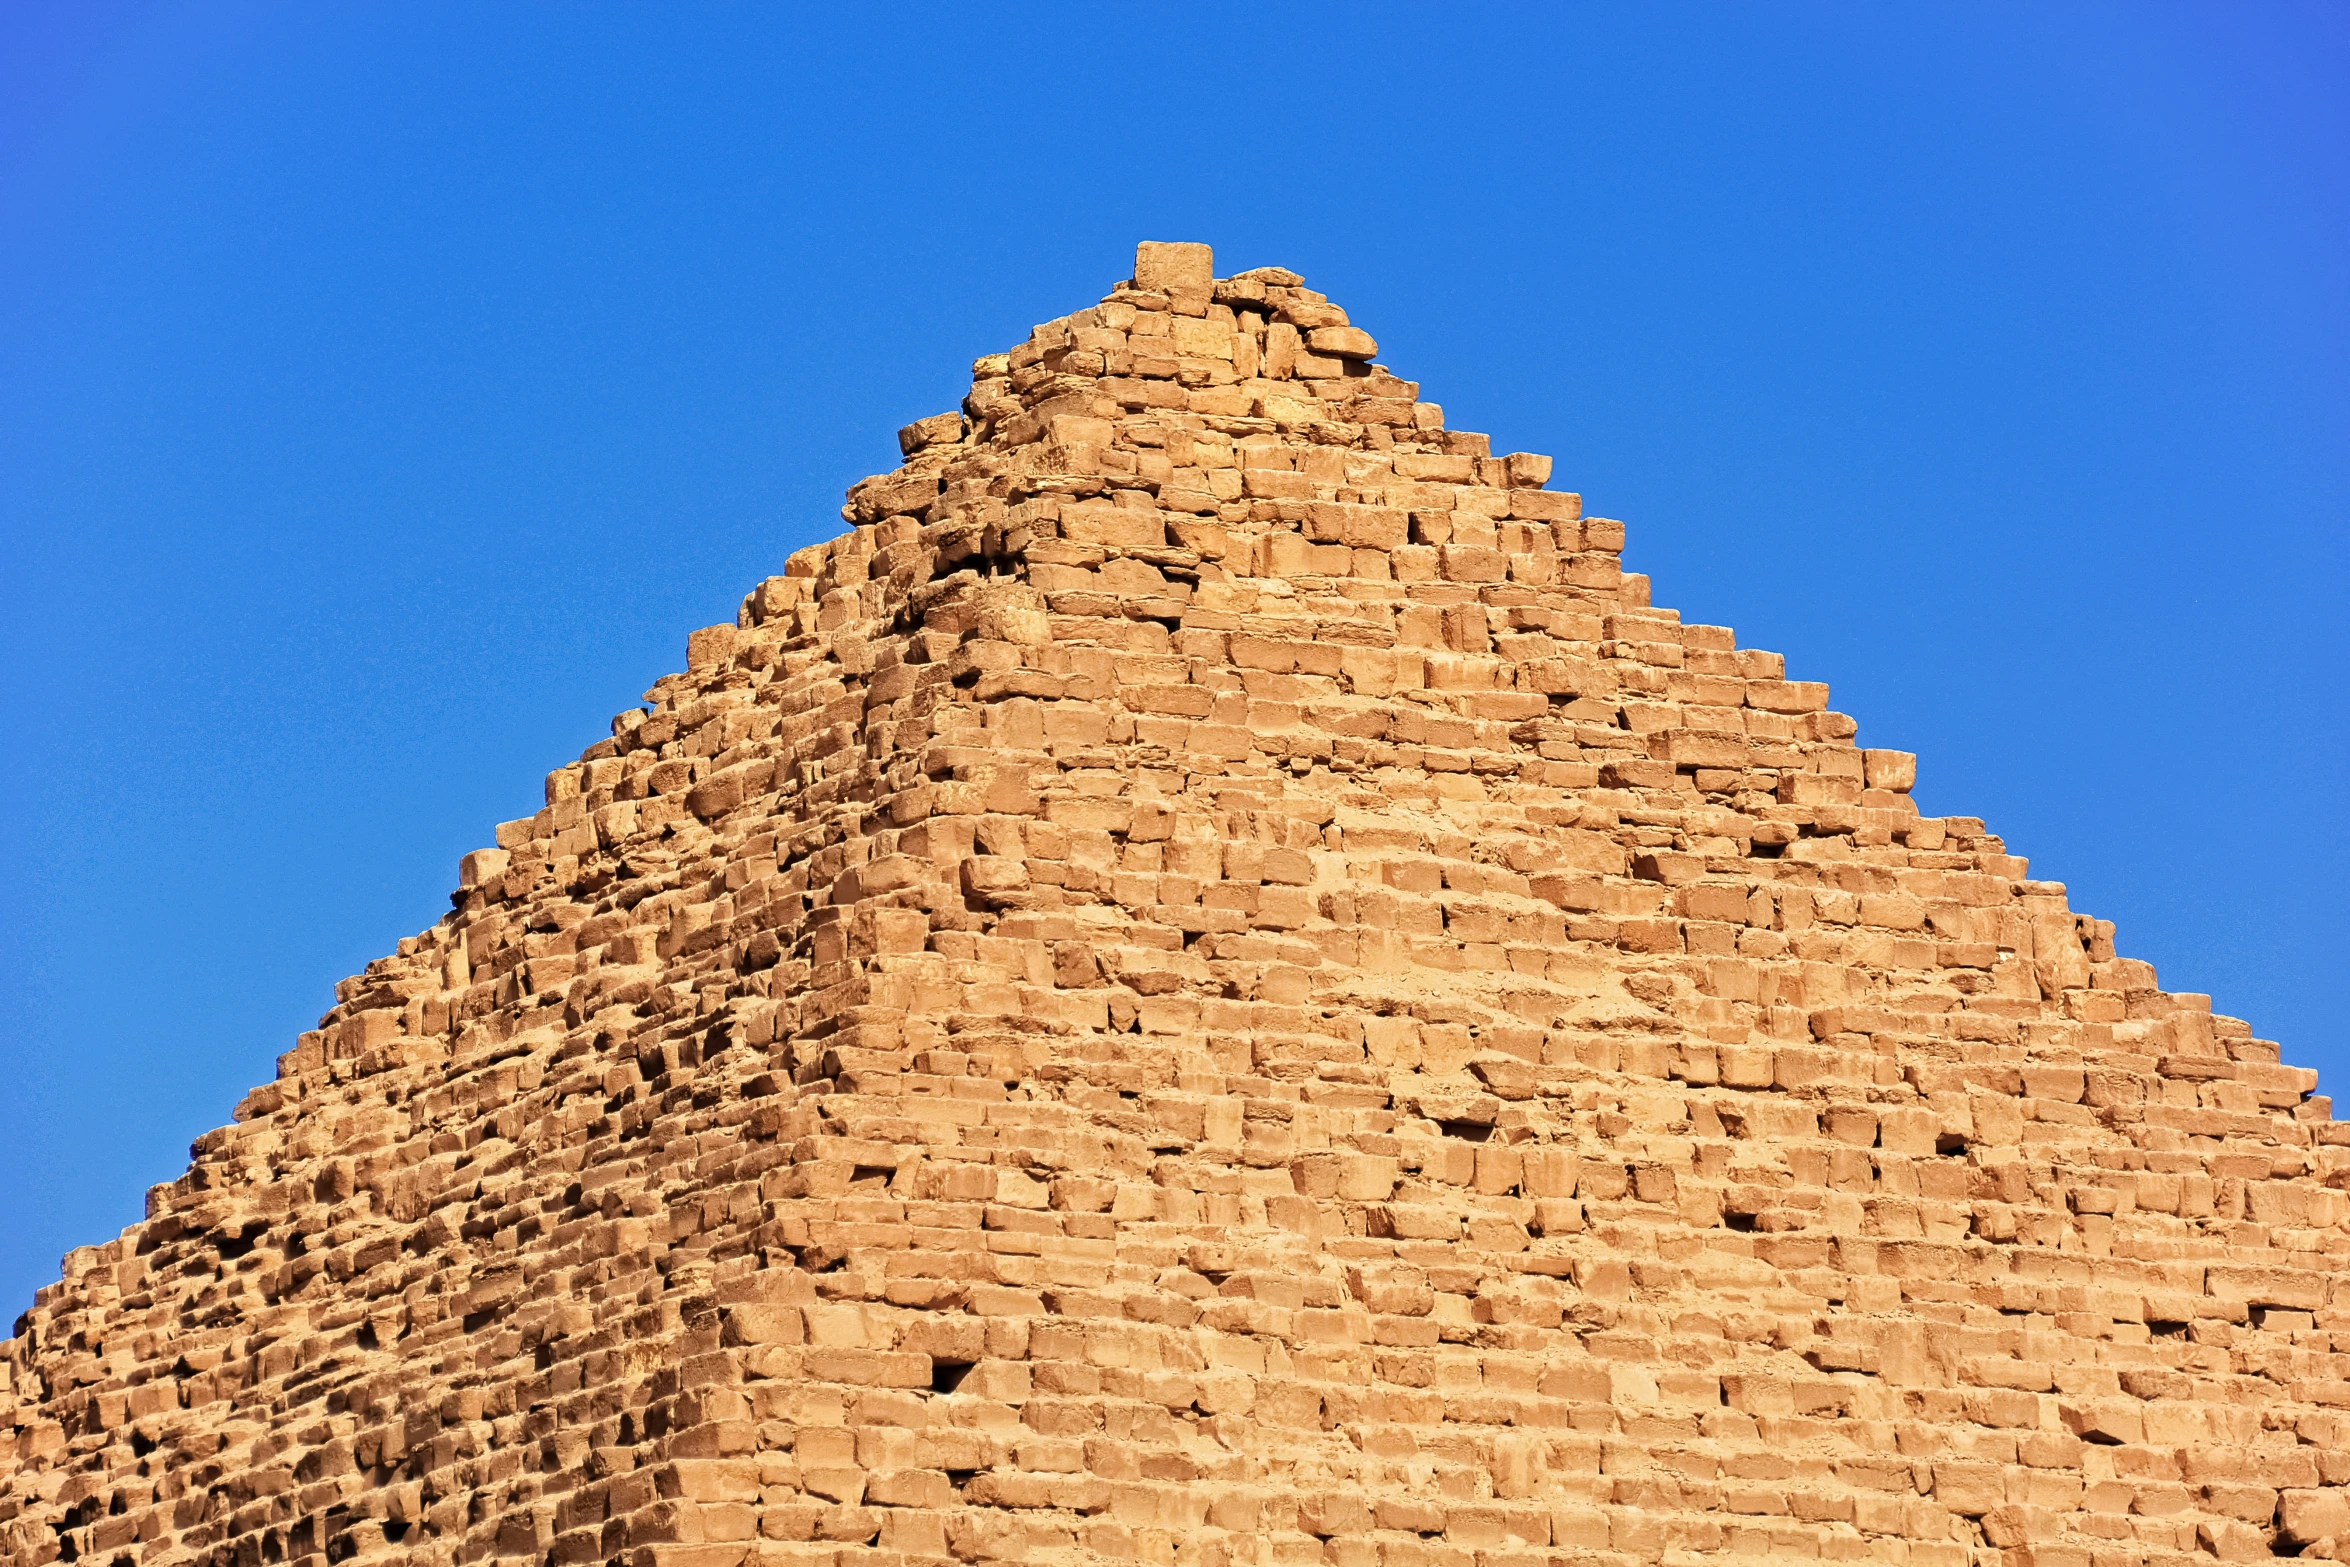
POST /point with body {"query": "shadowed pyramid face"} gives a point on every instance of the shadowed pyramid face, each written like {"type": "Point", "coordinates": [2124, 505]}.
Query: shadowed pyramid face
{"type": "Point", "coordinates": [1213, 985]}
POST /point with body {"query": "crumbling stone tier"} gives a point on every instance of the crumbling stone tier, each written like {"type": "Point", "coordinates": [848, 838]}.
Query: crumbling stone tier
{"type": "Point", "coordinates": [1213, 984]}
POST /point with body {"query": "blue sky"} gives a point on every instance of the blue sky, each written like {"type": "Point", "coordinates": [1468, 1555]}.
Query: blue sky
{"type": "Point", "coordinates": [386, 391]}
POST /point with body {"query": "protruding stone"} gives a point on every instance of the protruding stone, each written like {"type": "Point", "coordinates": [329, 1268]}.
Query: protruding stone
{"type": "Point", "coordinates": [1165, 266]}
{"type": "Point", "coordinates": [937, 430]}
{"type": "Point", "coordinates": [1343, 342]}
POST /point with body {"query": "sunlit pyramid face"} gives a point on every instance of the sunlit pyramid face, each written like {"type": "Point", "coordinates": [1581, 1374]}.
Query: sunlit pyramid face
{"type": "Point", "coordinates": [1212, 983]}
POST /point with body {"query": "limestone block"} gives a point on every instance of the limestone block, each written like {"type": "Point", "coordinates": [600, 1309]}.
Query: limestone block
{"type": "Point", "coordinates": [1164, 266]}
{"type": "Point", "coordinates": [1343, 342]}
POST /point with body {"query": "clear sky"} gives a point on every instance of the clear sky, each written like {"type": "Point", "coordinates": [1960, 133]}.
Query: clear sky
{"type": "Point", "coordinates": [386, 390]}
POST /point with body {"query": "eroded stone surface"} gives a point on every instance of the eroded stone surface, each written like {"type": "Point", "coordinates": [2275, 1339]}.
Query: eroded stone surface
{"type": "Point", "coordinates": [1214, 984]}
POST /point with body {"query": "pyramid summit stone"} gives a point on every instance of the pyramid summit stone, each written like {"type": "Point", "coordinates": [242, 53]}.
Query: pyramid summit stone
{"type": "Point", "coordinates": [1165, 267]}
{"type": "Point", "coordinates": [1213, 984]}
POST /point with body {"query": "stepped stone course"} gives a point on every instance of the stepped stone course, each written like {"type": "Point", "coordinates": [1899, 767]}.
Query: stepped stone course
{"type": "Point", "coordinates": [1213, 984]}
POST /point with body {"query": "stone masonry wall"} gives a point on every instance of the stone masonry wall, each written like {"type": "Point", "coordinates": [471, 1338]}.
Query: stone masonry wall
{"type": "Point", "coordinates": [1212, 984]}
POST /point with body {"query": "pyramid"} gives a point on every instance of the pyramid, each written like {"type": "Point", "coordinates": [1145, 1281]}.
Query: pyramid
{"type": "Point", "coordinates": [1212, 985]}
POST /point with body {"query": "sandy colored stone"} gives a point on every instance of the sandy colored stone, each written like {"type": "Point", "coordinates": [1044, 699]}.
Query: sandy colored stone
{"type": "Point", "coordinates": [1212, 983]}
{"type": "Point", "coordinates": [1167, 266]}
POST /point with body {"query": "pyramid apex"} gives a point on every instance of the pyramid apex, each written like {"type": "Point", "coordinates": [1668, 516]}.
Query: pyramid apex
{"type": "Point", "coordinates": [1163, 266]}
